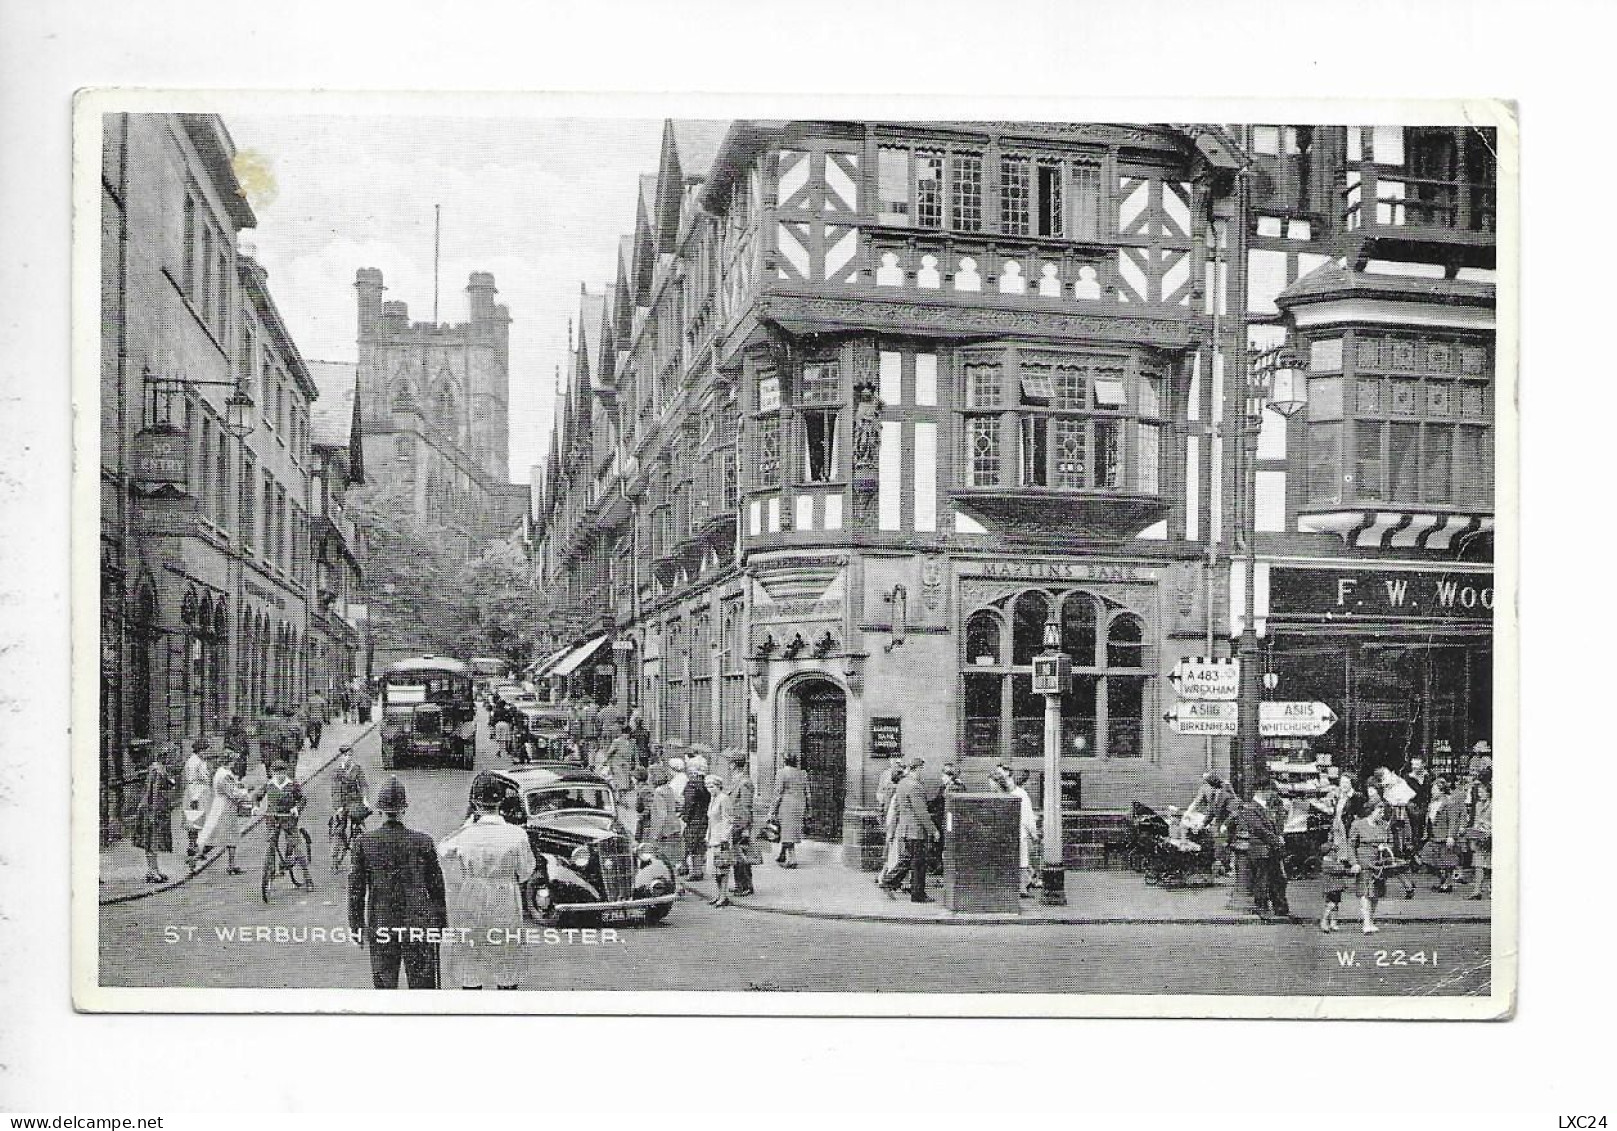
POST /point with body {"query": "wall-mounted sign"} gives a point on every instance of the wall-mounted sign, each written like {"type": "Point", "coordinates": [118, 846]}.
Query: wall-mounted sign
{"type": "Point", "coordinates": [769, 394]}
{"type": "Point", "coordinates": [1380, 594]}
{"type": "Point", "coordinates": [886, 736]}
{"type": "Point", "coordinates": [161, 457]}
{"type": "Point", "coordinates": [1064, 571]}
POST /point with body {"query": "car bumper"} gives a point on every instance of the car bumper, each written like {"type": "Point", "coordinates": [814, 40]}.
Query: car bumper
{"type": "Point", "coordinates": [621, 904]}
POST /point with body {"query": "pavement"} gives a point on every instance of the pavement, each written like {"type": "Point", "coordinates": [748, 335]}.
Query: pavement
{"type": "Point", "coordinates": [123, 866]}
{"type": "Point", "coordinates": [821, 887]}
{"type": "Point", "coordinates": [216, 932]}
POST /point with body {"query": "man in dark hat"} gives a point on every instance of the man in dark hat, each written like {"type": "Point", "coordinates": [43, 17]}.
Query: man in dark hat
{"type": "Point", "coordinates": [396, 901]}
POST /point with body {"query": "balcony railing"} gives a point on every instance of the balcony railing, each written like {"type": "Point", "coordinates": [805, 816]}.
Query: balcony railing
{"type": "Point", "coordinates": [949, 261]}
{"type": "Point", "coordinates": [1385, 197]}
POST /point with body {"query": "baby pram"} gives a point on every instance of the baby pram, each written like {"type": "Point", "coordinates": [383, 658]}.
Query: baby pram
{"type": "Point", "coordinates": [1171, 854]}
{"type": "Point", "coordinates": [1307, 832]}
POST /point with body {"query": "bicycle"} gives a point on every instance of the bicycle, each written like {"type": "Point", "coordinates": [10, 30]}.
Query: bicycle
{"type": "Point", "coordinates": [342, 830]}
{"type": "Point", "coordinates": [278, 862]}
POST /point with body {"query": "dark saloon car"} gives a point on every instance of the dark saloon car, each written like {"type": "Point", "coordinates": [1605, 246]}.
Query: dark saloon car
{"type": "Point", "coordinates": [589, 865]}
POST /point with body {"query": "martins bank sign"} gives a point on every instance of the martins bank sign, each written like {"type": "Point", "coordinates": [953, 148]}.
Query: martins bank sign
{"type": "Point", "coordinates": [1380, 594]}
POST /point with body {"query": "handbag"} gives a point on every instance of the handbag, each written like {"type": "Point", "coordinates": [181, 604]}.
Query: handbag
{"type": "Point", "coordinates": [770, 833]}
{"type": "Point", "coordinates": [723, 858]}
{"type": "Point", "coordinates": [751, 853]}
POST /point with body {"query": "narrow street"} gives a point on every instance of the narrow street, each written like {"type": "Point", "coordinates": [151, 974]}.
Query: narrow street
{"type": "Point", "coordinates": [192, 936]}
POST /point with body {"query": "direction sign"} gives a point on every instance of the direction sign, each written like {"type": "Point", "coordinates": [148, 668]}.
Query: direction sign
{"type": "Point", "coordinates": [1198, 678]}
{"type": "Point", "coordinates": [1194, 716]}
{"type": "Point", "coordinates": [1219, 719]}
{"type": "Point", "coordinates": [1294, 719]}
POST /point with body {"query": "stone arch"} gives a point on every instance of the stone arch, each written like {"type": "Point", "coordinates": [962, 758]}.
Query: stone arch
{"type": "Point", "coordinates": [811, 713]}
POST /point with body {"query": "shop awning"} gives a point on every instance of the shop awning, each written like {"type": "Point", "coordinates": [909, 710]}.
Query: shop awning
{"type": "Point", "coordinates": [538, 668]}
{"type": "Point", "coordinates": [578, 656]}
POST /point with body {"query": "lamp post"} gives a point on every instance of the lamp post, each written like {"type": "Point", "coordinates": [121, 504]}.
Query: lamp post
{"type": "Point", "coordinates": [1052, 672]}
{"type": "Point", "coordinates": [1275, 383]}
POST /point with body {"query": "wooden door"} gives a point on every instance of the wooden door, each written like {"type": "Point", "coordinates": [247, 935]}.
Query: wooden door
{"type": "Point", "coordinates": [824, 745]}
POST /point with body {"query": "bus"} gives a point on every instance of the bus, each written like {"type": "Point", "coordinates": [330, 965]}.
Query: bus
{"type": "Point", "coordinates": [428, 712]}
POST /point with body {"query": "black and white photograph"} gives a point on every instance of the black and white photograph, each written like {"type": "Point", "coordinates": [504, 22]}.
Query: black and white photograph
{"type": "Point", "coordinates": [716, 564]}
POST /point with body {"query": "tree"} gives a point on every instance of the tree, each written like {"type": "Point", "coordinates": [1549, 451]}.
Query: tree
{"type": "Point", "coordinates": [430, 591]}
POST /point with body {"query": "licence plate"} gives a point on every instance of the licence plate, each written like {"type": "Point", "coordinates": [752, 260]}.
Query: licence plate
{"type": "Point", "coordinates": [623, 915]}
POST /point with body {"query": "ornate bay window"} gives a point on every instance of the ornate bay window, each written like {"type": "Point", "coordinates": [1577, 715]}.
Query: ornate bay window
{"type": "Point", "coordinates": [1405, 422]}
{"type": "Point", "coordinates": [1104, 714]}
{"type": "Point", "coordinates": [1065, 425]}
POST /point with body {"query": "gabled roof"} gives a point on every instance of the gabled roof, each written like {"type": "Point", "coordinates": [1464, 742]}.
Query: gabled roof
{"type": "Point", "coordinates": [331, 416]}
{"type": "Point", "coordinates": [591, 315]}
{"type": "Point", "coordinates": [697, 142]}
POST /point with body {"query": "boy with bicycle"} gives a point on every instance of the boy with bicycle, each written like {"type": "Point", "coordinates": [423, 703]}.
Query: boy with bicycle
{"type": "Point", "coordinates": [283, 805]}
{"type": "Point", "coordinates": [348, 808]}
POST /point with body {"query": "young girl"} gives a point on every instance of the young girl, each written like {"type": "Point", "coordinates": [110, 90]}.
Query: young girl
{"type": "Point", "coordinates": [1334, 875]}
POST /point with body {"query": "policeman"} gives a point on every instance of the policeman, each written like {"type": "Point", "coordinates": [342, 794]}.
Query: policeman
{"type": "Point", "coordinates": [396, 897]}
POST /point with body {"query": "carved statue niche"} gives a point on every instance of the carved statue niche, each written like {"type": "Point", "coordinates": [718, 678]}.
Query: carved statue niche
{"type": "Point", "coordinates": [867, 410]}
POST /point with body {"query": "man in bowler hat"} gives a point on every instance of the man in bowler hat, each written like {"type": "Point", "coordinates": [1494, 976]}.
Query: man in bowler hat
{"type": "Point", "coordinates": [396, 901]}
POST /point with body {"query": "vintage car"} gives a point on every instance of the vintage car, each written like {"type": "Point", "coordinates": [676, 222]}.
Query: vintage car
{"type": "Point", "coordinates": [589, 864]}
{"type": "Point", "coordinates": [548, 728]}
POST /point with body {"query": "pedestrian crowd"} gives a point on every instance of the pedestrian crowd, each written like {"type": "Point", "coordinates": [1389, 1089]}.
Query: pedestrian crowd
{"type": "Point", "coordinates": [1384, 828]}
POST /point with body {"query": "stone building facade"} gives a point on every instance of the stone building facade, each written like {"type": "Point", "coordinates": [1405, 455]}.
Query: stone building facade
{"type": "Point", "coordinates": [870, 404]}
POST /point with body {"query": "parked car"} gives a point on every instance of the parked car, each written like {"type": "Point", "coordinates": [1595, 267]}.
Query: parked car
{"type": "Point", "coordinates": [589, 864]}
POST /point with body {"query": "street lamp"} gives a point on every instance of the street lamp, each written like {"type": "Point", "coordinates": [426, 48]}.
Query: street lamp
{"type": "Point", "coordinates": [1275, 382]}
{"type": "Point", "coordinates": [1052, 672]}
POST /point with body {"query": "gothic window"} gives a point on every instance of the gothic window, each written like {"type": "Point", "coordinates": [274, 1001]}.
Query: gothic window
{"type": "Point", "coordinates": [443, 409]}
{"type": "Point", "coordinates": [1103, 713]}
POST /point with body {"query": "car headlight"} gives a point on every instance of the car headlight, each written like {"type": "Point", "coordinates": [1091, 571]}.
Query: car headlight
{"type": "Point", "coordinates": [580, 857]}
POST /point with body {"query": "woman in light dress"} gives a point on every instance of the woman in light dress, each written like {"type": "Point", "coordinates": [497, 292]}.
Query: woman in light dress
{"type": "Point", "coordinates": [486, 862]}
{"type": "Point", "coordinates": [198, 785]}
{"type": "Point", "coordinates": [719, 816]}
{"type": "Point", "coordinates": [222, 827]}
{"type": "Point", "coordinates": [1001, 777]}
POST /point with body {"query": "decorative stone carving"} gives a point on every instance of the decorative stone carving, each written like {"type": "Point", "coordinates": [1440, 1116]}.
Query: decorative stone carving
{"type": "Point", "coordinates": [934, 589]}
{"type": "Point", "coordinates": [1170, 331]}
{"type": "Point", "coordinates": [867, 411]}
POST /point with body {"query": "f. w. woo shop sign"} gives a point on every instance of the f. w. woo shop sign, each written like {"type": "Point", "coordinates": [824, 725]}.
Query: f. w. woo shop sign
{"type": "Point", "coordinates": [1380, 594]}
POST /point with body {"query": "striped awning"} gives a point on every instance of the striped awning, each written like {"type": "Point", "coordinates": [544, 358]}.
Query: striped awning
{"type": "Point", "coordinates": [1396, 529]}
{"type": "Point", "coordinates": [538, 668]}
{"type": "Point", "coordinates": [577, 657]}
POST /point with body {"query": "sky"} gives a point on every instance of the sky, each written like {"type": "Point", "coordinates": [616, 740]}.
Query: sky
{"type": "Point", "coordinates": [539, 202]}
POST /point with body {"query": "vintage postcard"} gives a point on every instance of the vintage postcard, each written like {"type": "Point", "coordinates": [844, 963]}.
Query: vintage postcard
{"type": "Point", "coordinates": [760, 557]}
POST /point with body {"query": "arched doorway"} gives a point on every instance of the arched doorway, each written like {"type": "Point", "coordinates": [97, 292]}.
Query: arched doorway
{"type": "Point", "coordinates": [823, 738]}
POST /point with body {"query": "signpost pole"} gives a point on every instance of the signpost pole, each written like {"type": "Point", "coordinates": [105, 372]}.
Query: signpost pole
{"type": "Point", "coordinates": [1052, 874]}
